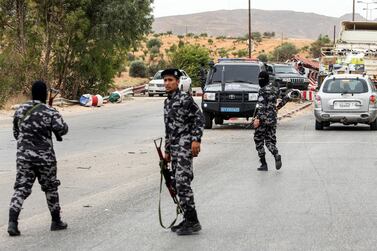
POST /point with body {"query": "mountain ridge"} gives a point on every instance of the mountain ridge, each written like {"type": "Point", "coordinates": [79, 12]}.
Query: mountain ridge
{"type": "Point", "coordinates": [285, 23]}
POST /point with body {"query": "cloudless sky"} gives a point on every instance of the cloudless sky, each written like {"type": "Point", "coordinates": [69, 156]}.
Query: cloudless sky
{"type": "Point", "coordinates": [335, 8]}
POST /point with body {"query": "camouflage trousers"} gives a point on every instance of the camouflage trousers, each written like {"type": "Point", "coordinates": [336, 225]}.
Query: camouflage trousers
{"type": "Point", "coordinates": [27, 173]}
{"type": "Point", "coordinates": [183, 175]}
{"type": "Point", "coordinates": [265, 135]}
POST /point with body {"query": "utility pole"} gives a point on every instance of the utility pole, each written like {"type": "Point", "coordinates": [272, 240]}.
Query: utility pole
{"type": "Point", "coordinates": [353, 12]}
{"type": "Point", "coordinates": [249, 28]}
{"type": "Point", "coordinates": [334, 34]}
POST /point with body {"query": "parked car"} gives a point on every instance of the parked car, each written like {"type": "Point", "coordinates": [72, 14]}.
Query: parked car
{"type": "Point", "coordinates": [156, 85]}
{"type": "Point", "coordinates": [286, 77]}
{"type": "Point", "coordinates": [231, 90]}
{"type": "Point", "coordinates": [346, 99]}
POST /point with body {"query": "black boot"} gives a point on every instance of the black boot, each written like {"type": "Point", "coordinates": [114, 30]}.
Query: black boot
{"type": "Point", "coordinates": [13, 223]}
{"type": "Point", "coordinates": [57, 223]}
{"type": "Point", "coordinates": [191, 225]}
{"type": "Point", "coordinates": [278, 162]}
{"type": "Point", "coordinates": [176, 227]}
{"type": "Point", "coordinates": [263, 166]}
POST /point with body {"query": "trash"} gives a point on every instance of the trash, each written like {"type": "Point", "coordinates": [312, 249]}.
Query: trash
{"type": "Point", "coordinates": [87, 206]}
{"type": "Point", "coordinates": [88, 100]}
{"type": "Point", "coordinates": [131, 152]}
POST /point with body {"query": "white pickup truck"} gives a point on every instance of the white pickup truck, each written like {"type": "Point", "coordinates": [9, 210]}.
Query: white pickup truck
{"type": "Point", "coordinates": [357, 42]}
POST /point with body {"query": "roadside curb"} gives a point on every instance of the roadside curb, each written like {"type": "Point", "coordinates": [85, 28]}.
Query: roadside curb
{"type": "Point", "coordinates": [289, 114]}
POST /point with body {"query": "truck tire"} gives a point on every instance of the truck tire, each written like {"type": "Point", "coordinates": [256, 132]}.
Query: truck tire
{"type": "Point", "coordinates": [318, 125]}
{"type": "Point", "coordinates": [150, 95]}
{"type": "Point", "coordinates": [373, 125]}
{"type": "Point", "coordinates": [219, 121]}
{"type": "Point", "coordinates": [208, 120]}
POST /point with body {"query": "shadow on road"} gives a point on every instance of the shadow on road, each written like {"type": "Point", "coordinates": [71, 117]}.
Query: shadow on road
{"type": "Point", "coordinates": [348, 128]}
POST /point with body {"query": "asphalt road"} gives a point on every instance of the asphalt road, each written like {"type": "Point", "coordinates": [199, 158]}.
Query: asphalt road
{"type": "Point", "coordinates": [324, 198]}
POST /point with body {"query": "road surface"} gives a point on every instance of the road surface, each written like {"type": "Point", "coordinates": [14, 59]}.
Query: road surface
{"type": "Point", "coordinates": [324, 198]}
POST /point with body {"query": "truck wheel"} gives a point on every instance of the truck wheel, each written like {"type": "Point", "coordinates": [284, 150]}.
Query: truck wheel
{"type": "Point", "coordinates": [219, 121]}
{"type": "Point", "coordinates": [208, 121]}
{"type": "Point", "coordinates": [373, 125]}
{"type": "Point", "coordinates": [318, 125]}
{"type": "Point", "coordinates": [150, 95]}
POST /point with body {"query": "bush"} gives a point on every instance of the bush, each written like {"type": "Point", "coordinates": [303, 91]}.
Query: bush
{"type": "Point", "coordinates": [242, 53]}
{"type": "Point", "coordinates": [204, 35]}
{"type": "Point", "coordinates": [256, 36]}
{"type": "Point", "coordinates": [169, 33]}
{"type": "Point", "coordinates": [190, 34]}
{"type": "Point", "coordinates": [181, 44]}
{"type": "Point", "coordinates": [138, 69]}
{"type": "Point", "coordinates": [315, 48]}
{"type": "Point", "coordinates": [284, 52]}
{"type": "Point", "coordinates": [223, 52]}
{"type": "Point", "coordinates": [181, 36]}
{"type": "Point", "coordinates": [210, 41]}
{"type": "Point", "coordinates": [263, 57]}
{"type": "Point", "coordinates": [155, 50]}
{"type": "Point", "coordinates": [153, 68]}
{"type": "Point", "coordinates": [154, 42]}
{"type": "Point", "coordinates": [190, 58]}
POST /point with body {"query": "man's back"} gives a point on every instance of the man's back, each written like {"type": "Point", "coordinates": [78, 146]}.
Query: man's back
{"type": "Point", "coordinates": [33, 125]}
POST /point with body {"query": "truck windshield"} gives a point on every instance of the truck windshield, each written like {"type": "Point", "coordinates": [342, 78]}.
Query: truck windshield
{"type": "Point", "coordinates": [236, 73]}
{"type": "Point", "coordinates": [285, 70]}
{"type": "Point", "coordinates": [345, 86]}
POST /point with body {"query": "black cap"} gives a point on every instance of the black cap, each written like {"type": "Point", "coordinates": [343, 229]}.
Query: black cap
{"type": "Point", "coordinates": [264, 79]}
{"type": "Point", "coordinates": [39, 91]}
{"type": "Point", "coordinates": [172, 72]}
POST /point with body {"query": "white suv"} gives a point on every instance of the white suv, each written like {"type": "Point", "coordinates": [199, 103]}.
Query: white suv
{"type": "Point", "coordinates": [347, 99]}
{"type": "Point", "coordinates": [156, 85]}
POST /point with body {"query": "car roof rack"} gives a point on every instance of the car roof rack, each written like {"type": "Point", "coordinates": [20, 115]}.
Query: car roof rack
{"type": "Point", "coordinates": [221, 60]}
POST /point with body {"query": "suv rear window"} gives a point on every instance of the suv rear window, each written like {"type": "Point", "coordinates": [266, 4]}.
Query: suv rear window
{"type": "Point", "coordinates": [237, 73]}
{"type": "Point", "coordinates": [345, 86]}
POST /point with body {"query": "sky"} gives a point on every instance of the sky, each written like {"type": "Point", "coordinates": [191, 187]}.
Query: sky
{"type": "Point", "coordinates": [335, 8]}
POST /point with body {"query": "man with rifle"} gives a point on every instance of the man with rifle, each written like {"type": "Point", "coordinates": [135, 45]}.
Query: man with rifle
{"type": "Point", "coordinates": [184, 124]}
{"type": "Point", "coordinates": [33, 125]}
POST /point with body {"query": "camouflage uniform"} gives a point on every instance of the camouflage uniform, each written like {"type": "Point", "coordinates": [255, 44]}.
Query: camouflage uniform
{"type": "Point", "coordinates": [35, 153]}
{"type": "Point", "coordinates": [267, 114]}
{"type": "Point", "coordinates": [184, 124]}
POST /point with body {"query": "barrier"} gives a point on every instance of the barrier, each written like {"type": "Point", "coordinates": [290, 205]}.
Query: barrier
{"type": "Point", "coordinates": [88, 100]}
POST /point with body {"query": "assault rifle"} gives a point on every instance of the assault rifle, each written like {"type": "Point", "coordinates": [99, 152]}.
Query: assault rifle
{"type": "Point", "coordinates": [167, 175]}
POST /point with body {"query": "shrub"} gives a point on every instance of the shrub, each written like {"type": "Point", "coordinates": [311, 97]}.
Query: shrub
{"type": "Point", "coordinates": [138, 69]}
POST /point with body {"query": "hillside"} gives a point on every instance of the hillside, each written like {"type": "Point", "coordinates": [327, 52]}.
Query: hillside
{"type": "Point", "coordinates": [234, 23]}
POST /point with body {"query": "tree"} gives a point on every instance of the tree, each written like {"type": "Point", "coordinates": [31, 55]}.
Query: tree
{"type": "Point", "coordinates": [190, 58]}
{"type": "Point", "coordinates": [210, 41]}
{"type": "Point", "coordinates": [242, 53]}
{"type": "Point", "coordinates": [284, 52]}
{"type": "Point", "coordinates": [169, 33]}
{"type": "Point", "coordinates": [315, 48]}
{"type": "Point", "coordinates": [223, 52]}
{"type": "Point", "coordinates": [154, 42]}
{"type": "Point", "coordinates": [76, 45]}
{"type": "Point", "coordinates": [256, 36]}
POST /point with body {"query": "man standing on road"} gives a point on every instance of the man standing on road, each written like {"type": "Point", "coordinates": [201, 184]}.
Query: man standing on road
{"type": "Point", "coordinates": [203, 76]}
{"type": "Point", "coordinates": [184, 123]}
{"type": "Point", "coordinates": [33, 125]}
{"type": "Point", "coordinates": [266, 120]}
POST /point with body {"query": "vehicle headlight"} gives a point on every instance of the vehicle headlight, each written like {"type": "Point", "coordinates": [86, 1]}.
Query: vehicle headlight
{"type": "Point", "coordinates": [253, 96]}
{"type": "Point", "coordinates": [286, 79]}
{"type": "Point", "coordinates": [209, 96]}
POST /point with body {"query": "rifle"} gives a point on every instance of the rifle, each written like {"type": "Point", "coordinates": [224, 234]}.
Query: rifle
{"type": "Point", "coordinates": [166, 174]}
{"type": "Point", "coordinates": [53, 94]}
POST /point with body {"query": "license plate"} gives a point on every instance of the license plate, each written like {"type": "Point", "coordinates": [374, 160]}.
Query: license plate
{"type": "Point", "coordinates": [230, 109]}
{"type": "Point", "coordinates": [346, 105]}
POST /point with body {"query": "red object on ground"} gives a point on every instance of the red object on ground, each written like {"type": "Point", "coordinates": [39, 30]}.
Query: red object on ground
{"type": "Point", "coordinates": [94, 100]}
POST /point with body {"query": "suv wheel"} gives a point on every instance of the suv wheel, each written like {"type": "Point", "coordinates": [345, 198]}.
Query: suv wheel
{"type": "Point", "coordinates": [208, 121]}
{"type": "Point", "coordinates": [373, 125]}
{"type": "Point", "coordinates": [219, 121]}
{"type": "Point", "coordinates": [318, 125]}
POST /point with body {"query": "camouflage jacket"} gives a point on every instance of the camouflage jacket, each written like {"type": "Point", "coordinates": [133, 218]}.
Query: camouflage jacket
{"type": "Point", "coordinates": [184, 121]}
{"type": "Point", "coordinates": [268, 104]}
{"type": "Point", "coordinates": [33, 132]}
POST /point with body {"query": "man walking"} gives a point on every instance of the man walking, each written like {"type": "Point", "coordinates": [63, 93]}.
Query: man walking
{"type": "Point", "coordinates": [184, 123]}
{"type": "Point", "coordinates": [33, 125]}
{"type": "Point", "coordinates": [266, 120]}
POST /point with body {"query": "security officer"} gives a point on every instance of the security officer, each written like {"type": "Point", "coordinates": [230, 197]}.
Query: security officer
{"type": "Point", "coordinates": [203, 75]}
{"type": "Point", "coordinates": [266, 120]}
{"type": "Point", "coordinates": [184, 123]}
{"type": "Point", "coordinates": [33, 125]}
